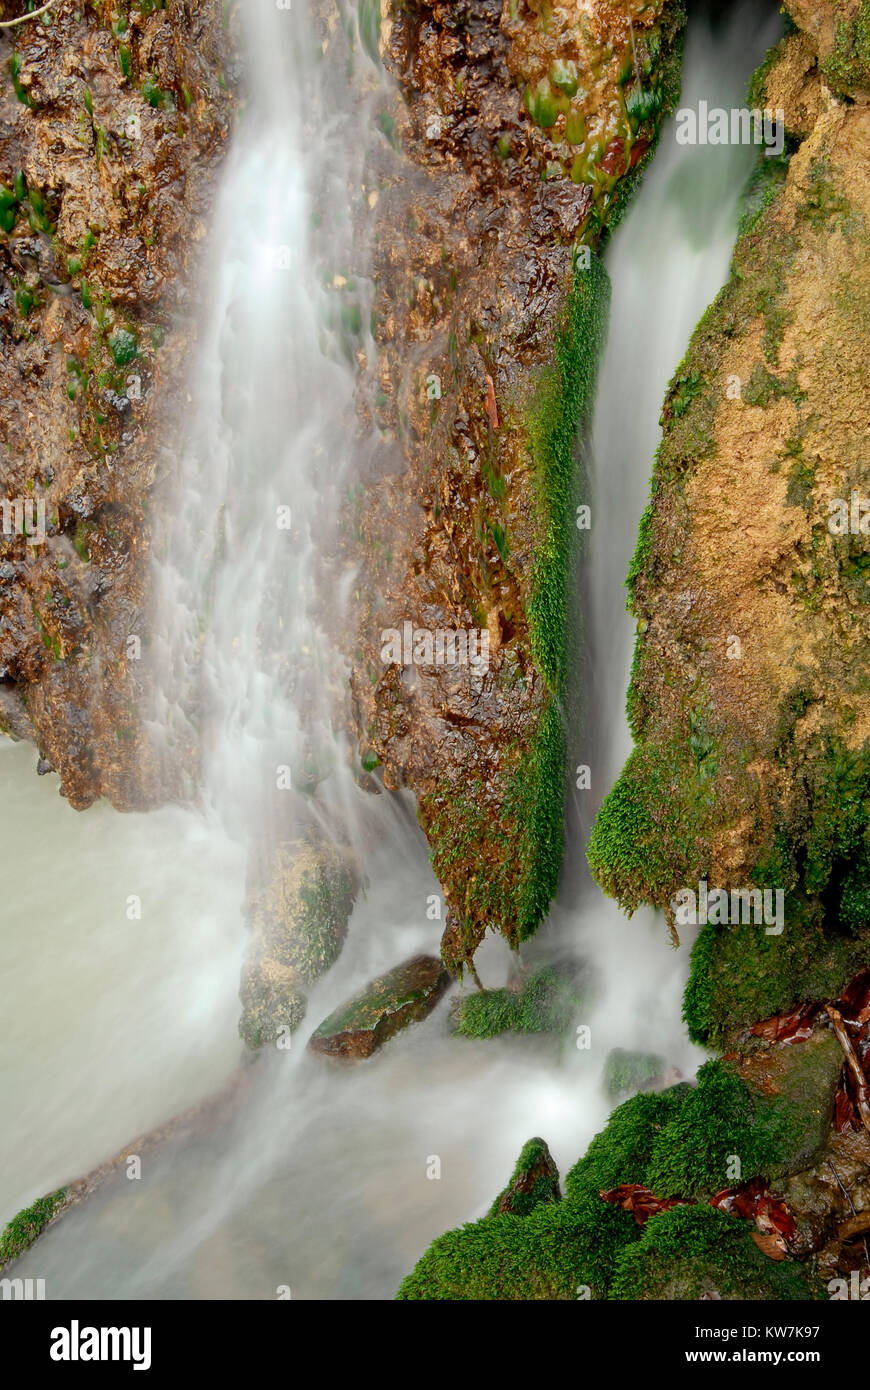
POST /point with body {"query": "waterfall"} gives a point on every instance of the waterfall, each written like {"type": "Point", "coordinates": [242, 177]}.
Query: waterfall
{"type": "Point", "coordinates": [321, 1180]}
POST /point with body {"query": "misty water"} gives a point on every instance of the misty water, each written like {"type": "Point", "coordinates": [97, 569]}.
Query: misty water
{"type": "Point", "coordinates": [319, 1178]}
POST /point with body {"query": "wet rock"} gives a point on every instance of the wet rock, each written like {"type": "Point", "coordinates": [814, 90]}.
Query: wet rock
{"type": "Point", "coordinates": [512, 131]}
{"type": "Point", "coordinates": [535, 1180]}
{"type": "Point", "coordinates": [405, 995]}
{"type": "Point", "coordinates": [102, 198]}
{"type": "Point", "coordinates": [298, 916]}
{"type": "Point", "coordinates": [628, 1072]}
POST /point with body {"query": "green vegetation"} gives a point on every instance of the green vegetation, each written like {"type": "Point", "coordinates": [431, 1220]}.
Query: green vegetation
{"type": "Point", "coordinates": [628, 1072]}
{"type": "Point", "coordinates": [548, 1003]}
{"type": "Point", "coordinates": [847, 69]}
{"type": "Point", "coordinates": [548, 1254]}
{"type": "Point", "coordinates": [562, 411]}
{"type": "Point", "coordinates": [28, 1225]}
{"type": "Point", "coordinates": [688, 1252]}
{"type": "Point", "coordinates": [535, 1180]}
{"type": "Point", "coordinates": [678, 1143]}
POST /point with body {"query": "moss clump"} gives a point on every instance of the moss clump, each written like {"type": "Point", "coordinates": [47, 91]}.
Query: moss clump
{"type": "Point", "coordinates": [647, 838]}
{"type": "Point", "coordinates": [548, 1003]}
{"type": "Point", "coordinates": [679, 1142]}
{"type": "Point", "coordinates": [28, 1225]}
{"type": "Point", "coordinates": [535, 1180]}
{"type": "Point", "coordinates": [720, 1118]}
{"type": "Point", "coordinates": [688, 1252]}
{"type": "Point", "coordinates": [623, 1150]}
{"type": "Point", "coordinates": [819, 849]}
{"type": "Point", "coordinates": [556, 1252]}
{"type": "Point", "coordinates": [847, 68]}
{"type": "Point", "coordinates": [562, 411]}
{"type": "Point", "coordinates": [627, 1072]}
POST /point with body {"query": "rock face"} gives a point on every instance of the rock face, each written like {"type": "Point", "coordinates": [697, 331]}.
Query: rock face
{"type": "Point", "coordinates": [750, 701]}
{"type": "Point", "coordinates": [298, 916]}
{"type": "Point", "coordinates": [404, 995]}
{"type": "Point", "coordinates": [112, 126]}
{"type": "Point", "coordinates": [523, 127]}
{"type": "Point", "coordinates": [749, 706]}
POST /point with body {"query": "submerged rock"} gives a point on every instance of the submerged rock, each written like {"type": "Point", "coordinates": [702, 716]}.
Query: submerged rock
{"type": "Point", "coordinates": [298, 918]}
{"type": "Point", "coordinates": [626, 1072]}
{"type": "Point", "coordinates": [405, 995]}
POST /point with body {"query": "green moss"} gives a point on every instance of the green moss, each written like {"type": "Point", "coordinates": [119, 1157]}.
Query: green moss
{"type": "Point", "coordinates": [622, 1152]}
{"type": "Point", "coordinates": [535, 1180]}
{"type": "Point", "coordinates": [815, 854]}
{"type": "Point", "coordinates": [719, 1118]}
{"type": "Point", "coordinates": [28, 1225]}
{"type": "Point", "coordinates": [626, 1072]}
{"type": "Point", "coordinates": [499, 848]}
{"type": "Point", "coordinates": [691, 1251]}
{"type": "Point", "coordinates": [123, 347]}
{"type": "Point", "coordinates": [547, 1004]}
{"type": "Point", "coordinates": [647, 838]}
{"type": "Point", "coordinates": [561, 413]}
{"type": "Point", "coordinates": [553, 1253]}
{"type": "Point", "coordinates": [847, 69]}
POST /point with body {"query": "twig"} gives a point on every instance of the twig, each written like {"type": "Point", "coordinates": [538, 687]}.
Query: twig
{"type": "Point", "coordinates": [22, 18]}
{"type": "Point", "coordinates": [853, 1062]}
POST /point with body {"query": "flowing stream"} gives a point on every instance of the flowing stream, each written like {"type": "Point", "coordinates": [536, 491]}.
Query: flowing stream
{"type": "Point", "coordinates": [320, 1179]}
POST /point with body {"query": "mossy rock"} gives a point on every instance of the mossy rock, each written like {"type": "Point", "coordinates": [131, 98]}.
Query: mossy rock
{"type": "Point", "coordinates": [622, 1151]}
{"type": "Point", "coordinates": [681, 1142]}
{"type": "Point", "coordinates": [695, 1251]}
{"type": "Point", "coordinates": [27, 1226]}
{"type": "Point", "coordinates": [626, 1072]}
{"type": "Point", "coordinates": [548, 1003]}
{"type": "Point", "coordinates": [388, 1004]}
{"type": "Point", "coordinates": [535, 1180]}
{"type": "Point", "coordinates": [270, 1004]}
{"type": "Point", "coordinates": [559, 1251]}
{"type": "Point", "coordinates": [299, 917]}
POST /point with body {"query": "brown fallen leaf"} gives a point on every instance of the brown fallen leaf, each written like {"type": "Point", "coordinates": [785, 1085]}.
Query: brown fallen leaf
{"type": "Point", "coordinates": [772, 1246]}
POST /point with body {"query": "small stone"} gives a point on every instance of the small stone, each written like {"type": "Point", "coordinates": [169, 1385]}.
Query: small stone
{"type": "Point", "coordinates": [406, 994]}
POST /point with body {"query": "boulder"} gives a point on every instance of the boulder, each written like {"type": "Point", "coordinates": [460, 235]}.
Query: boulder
{"type": "Point", "coordinates": [406, 994]}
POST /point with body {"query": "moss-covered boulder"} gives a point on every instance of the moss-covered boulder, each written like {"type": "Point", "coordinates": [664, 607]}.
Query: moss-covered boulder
{"type": "Point", "coordinates": [559, 1251]}
{"type": "Point", "coordinates": [405, 995]}
{"type": "Point", "coordinates": [535, 1180]}
{"type": "Point", "coordinates": [697, 1252]}
{"type": "Point", "coordinates": [547, 1003]}
{"type": "Point", "coordinates": [297, 912]}
{"type": "Point", "coordinates": [626, 1072]}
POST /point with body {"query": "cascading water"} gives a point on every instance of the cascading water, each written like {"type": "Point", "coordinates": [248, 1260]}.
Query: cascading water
{"type": "Point", "coordinates": [320, 1181]}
